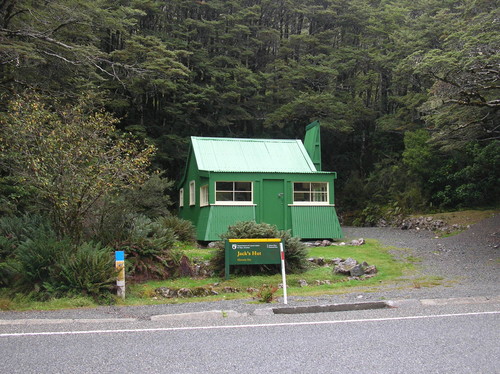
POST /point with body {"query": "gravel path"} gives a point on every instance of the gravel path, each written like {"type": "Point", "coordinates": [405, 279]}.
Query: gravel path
{"type": "Point", "coordinates": [468, 265]}
{"type": "Point", "coordinates": [467, 262]}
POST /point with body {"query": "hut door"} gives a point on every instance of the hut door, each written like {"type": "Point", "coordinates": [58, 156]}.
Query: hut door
{"type": "Point", "coordinates": [273, 202]}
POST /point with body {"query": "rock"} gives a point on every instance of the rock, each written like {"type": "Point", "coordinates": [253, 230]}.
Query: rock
{"type": "Point", "coordinates": [212, 245]}
{"type": "Point", "coordinates": [166, 292]}
{"type": "Point", "coordinates": [302, 283]}
{"type": "Point", "coordinates": [351, 261]}
{"type": "Point", "coordinates": [185, 269]}
{"type": "Point", "coordinates": [336, 260]}
{"type": "Point", "coordinates": [357, 271]}
{"type": "Point", "coordinates": [371, 270]}
{"type": "Point", "coordinates": [326, 243]}
{"type": "Point", "coordinates": [184, 292]}
{"type": "Point", "coordinates": [342, 268]}
{"type": "Point", "coordinates": [230, 290]}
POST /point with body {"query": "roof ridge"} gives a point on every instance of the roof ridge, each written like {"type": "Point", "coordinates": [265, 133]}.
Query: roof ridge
{"type": "Point", "coordinates": [243, 139]}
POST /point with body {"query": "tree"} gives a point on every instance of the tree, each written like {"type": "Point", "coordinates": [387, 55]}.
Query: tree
{"type": "Point", "coordinates": [464, 100]}
{"type": "Point", "coordinates": [70, 156]}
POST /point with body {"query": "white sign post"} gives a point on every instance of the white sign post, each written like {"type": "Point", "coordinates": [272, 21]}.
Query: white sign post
{"type": "Point", "coordinates": [283, 274]}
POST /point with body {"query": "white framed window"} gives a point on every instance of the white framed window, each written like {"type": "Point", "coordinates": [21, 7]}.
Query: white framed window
{"type": "Point", "coordinates": [310, 193]}
{"type": "Point", "coordinates": [204, 195]}
{"type": "Point", "coordinates": [181, 197]}
{"type": "Point", "coordinates": [192, 193]}
{"type": "Point", "coordinates": [233, 193]}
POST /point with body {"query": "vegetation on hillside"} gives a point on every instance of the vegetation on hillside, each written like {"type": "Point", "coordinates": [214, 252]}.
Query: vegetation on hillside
{"type": "Point", "coordinates": [407, 92]}
{"type": "Point", "coordinates": [99, 97]}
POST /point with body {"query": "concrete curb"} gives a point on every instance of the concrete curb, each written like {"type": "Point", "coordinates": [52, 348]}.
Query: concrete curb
{"type": "Point", "coordinates": [331, 308]}
{"type": "Point", "coordinates": [269, 311]}
{"type": "Point", "coordinates": [55, 321]}
{"type": "Point", "coordinates": [211, 314]}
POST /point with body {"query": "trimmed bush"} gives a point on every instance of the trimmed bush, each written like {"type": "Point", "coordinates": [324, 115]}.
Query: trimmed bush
{"type": "Point", "coordinates": [295, 250]}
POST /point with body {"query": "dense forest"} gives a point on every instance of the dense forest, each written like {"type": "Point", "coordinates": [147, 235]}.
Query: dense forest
{"type": "Point", "coordinates": [407, 92]}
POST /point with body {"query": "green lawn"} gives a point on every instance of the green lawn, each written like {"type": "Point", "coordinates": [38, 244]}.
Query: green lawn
{"type": "Point", "coordinates": [372, 252]}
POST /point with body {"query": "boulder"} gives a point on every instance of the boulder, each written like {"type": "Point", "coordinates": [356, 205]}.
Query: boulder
{"type": "Point", "coordinates": [184, 292]}
{"type": "Point", "coordinates": [302, 283]}
{"type": "Point", "coordinates": [357, 271]}
{"type": "Point", "coordinates": [166, 292]}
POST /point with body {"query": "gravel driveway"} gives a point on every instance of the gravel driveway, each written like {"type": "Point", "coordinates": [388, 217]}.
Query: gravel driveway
{"type": "Point", "coordinates": [469, 262]}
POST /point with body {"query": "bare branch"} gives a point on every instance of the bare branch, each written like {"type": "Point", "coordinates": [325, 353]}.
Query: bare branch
{"type": "Point", "coordinates": [35, 35]}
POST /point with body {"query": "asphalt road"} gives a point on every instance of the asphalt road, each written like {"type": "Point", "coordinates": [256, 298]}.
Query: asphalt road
{"type": "Point", "coordinates": [412, 338]}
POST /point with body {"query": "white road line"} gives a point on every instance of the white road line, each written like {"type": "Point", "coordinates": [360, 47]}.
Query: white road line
{"type": "Point", "coordinates": [163, 329]}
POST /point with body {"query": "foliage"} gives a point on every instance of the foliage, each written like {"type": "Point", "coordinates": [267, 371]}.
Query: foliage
{"type": "Point", "coordinates": [75, 157]}
{"type": "Point", "coordinates": [38, 262]}
{"type": "Point", "coordinates": [17, 229]}
{"type": "Point", "coordinates": [90, 270]}
{"type": "Point", "coordinates": [183, 229]}
{"type": "Point", "coordinates": [266, 293]}
{"type": "Point", "coordinates": [112, 216]}
{"type": "Point", "coordinates": [295, 250]}
{"type": "Point", "coordinates": [401, 87]}
{"type": "Point", "coordinates": [469, 179]}
{"type": "Point", "coordinates": [148, 250]}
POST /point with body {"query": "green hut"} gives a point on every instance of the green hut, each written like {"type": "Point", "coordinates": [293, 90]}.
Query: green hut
{"type": "Point", "coordinates": [276, 181]}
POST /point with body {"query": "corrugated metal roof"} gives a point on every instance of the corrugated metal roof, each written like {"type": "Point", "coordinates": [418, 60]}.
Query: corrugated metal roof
{"type": "Point", "coordinates": [251, 155]}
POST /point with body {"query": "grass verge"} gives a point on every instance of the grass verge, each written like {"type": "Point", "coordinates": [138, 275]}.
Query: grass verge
{"type": "Point", "coordinates": [389, 268]}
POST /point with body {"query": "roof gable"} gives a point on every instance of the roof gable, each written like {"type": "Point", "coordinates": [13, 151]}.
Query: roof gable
{"type": "Point", "coordinates": [251, 155]}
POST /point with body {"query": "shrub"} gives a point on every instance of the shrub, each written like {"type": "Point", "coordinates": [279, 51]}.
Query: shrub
{"type": "Point", "coordinates": [149, 250]}
{"type": "Point", "coordinates": [111, 217]}
{"type": "Point", "coordinates": [47, 267]}
{"type": "Point", "coordinates": [183, 229]}
{"type": "Point", "coordinates": [266, 294]}
{"type": "Point", "coordinates": [7, 273]}
{"type": "Point", "coordinates": [295, 250]}
{"type": "Point", "coordinates": [90, 270]}
{"type": "Point", "coordinates": [38, 260]}
{"type": "Point", "coordinates": [17, 229]}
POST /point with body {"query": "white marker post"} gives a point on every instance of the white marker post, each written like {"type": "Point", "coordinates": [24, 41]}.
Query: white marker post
{"type": "Point", "coordinates": [120, 267]}
{"type": "Point", "coordinates": [283, 275]}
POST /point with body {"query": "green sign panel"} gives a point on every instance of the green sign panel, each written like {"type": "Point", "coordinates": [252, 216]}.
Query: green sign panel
{"type": "Point", "coordinates": [252, 252]}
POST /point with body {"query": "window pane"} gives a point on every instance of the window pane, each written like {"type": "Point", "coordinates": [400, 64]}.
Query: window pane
{"type": "Point", "coordinates": [319, 196]}
{"type": "Point", "coordinates": [301, 196]}
{"type": "Point", "coordinates": [224, 186]}
{"type": "Point", "coordinates": [243, 196]}
{"type": "Point", "coordinates": [242, 186]}
{"type": "Point", "coordinates": [224, 196]}
{"type": "Point", "coordinates": [299, 187]}
{"type": "Point", "coordinates": [318, 187]}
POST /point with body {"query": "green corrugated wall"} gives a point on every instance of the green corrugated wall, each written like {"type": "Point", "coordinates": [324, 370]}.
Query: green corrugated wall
{"type": "Point", "coordinates": [315, 222]}
{"type": "Point", "coordinates": [214, 220]}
